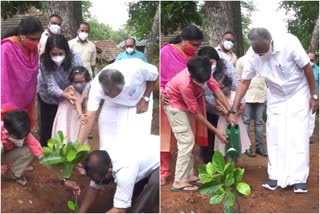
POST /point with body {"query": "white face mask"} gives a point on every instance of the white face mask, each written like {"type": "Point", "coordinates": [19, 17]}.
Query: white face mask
{"type": "Point", "coordinates": [312, 63]}
{"type": "Point", "coordinates": [17, 142]}
{"type": "Point", "coordinates": [228, 45]}
{"type": "Point", "coordinates": [266, 56]}
{"type": "Point", "coordinates": [129, 50]}
{"type": "Point", "coordinates": [58, 59]}
{"type": "Point", "coordinates": [55, 29]}
{"type": "Point", "coordinates": [202, 85]}
{"type": "Point", "coordinates": [83, 36]}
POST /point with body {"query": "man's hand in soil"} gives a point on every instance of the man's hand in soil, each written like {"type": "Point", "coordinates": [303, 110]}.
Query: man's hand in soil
{"type": "Point", "coordinates": [73, 186]}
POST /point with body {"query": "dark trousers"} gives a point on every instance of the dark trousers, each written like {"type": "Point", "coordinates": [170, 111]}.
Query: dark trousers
{"type": "Point", "coordinates": [47, 115]}
{"type": "Point", "coordinates": [146, 195]}
{"type": "Point", "coordinates": [206, 152]}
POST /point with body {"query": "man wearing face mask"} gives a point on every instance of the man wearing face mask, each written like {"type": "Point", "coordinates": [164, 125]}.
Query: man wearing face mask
{"type": "Point", "coordinates": [315, 69]}
{"type": "Point", "coordinates": [19, 145]}
{"type": "Point", "coordinates": [54, 27]}
{"type": "Point", "coordinates": [134, 169]}
{"type": "Point", "coordinates": [131, 51]}
{"type": "Point", "coordinates": [85, 48]}
{"type": "Point", "coordinates": [291, 96]}
{"type": "Point", "coordinates": [225, 48]}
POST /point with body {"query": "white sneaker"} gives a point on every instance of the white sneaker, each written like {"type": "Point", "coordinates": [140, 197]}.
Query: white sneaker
{"type": "Point", "coordinates": [270, 184]}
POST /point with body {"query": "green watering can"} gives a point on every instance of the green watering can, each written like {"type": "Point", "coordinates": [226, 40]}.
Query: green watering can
{"type": "Point", "coordinates": [233, 147]}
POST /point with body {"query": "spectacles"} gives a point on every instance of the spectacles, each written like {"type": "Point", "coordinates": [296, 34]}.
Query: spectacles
{"type": "Point", "coordinates": [54, 23]}
{"type": "Point", "coordinates": [129, 46]}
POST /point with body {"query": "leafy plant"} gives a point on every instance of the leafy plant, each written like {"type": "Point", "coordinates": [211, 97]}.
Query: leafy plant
{"type": "Point", "coordinates": [66, 156]}
{"type": "Point", "coordinates": [73, 205]}
{"type": "Point", "coordinates": [223, 182]}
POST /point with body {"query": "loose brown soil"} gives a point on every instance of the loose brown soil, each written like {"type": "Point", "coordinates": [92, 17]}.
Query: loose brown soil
{"type": "Point", "coordinates": [45, 194]}
{"type": "Point", "coordinates": [261, 200]}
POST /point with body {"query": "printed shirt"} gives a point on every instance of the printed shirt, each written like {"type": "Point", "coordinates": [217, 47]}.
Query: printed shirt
{"type": "Point", "coordinates": [51, 84]}
{"type": "Point", "coordinates": [136, 74]}
{"type": "Point", "coordinates": [185, 94]}
{"type": "Point", "coordinates": [315, 69]}
{"type": "Point", "coordinates": [230, 56]}
{"type": "Point", "coordinates": [86, 50]}
{"type": "Point", "coordinates": [135, 54]}
{"type": "Point", "coordinates": [283, 71]}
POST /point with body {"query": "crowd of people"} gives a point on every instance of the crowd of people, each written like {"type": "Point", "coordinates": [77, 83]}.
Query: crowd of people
{"type": "Point", "coordinates": [275, 74]}
{"type": "Point", "coordinates": [44, 68]}
{"type": "Point", "coordinates": [203, 90]}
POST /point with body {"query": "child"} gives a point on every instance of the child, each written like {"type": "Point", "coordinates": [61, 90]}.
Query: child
{"type": "Point", "coordinates": [185, 92]}
{"type": "Point", "coordinates": [70, 115]}
{"type": "Point", "coordinates": [225, 84]}
{"type": "Point", "coordinates": [19, 145]}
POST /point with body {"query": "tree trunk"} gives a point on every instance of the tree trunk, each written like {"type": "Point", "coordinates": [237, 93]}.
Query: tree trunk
{"type": "Point", "coordinates": [223, 16]}
{"type": "Point", "coordinates": [71, 14]}
{"type": "Point", "coordinates": [314, 43]}
{"type": "Point", "coordinates": [153, 38]}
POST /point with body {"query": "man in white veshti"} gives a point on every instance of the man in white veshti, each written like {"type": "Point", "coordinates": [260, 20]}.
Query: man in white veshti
{"type": "Point", "coordinates": [291, 96]}
{"type": "Point", "coordinates": [126, 87]}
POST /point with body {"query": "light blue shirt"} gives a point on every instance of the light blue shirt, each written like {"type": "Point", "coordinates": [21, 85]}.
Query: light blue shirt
{"type": "Point", "coordinates": [135, 54]}
{"type": "Point", "coordinates": [315, 69]}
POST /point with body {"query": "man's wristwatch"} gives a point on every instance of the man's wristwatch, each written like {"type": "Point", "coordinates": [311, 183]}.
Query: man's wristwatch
{"type": "Point", "coordinates": [315, 97]}
{"type": "Point", "coordinates": [147, 99]}
{"type": "Point", "coordinates": [231, 111]}
{"type": "Point", "coordinates": [63, 181]}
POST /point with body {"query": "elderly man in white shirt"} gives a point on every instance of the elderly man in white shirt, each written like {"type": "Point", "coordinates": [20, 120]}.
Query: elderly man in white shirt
{"type": "Point", "coordinates": [134, 168]}
{"type": "Point", "coordinates": [291, 96]}
{"type": "Point", "coordinates": [126, 87]}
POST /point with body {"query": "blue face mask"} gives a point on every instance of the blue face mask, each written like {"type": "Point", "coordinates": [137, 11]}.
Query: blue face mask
{"type": "Point", "coordinates": [79, 86]}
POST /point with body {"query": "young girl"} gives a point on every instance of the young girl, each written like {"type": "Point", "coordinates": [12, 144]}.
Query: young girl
{"type": "Point", "coordinates": [225, 84]}
{"type": "Point", "coordinates": [70, 114]}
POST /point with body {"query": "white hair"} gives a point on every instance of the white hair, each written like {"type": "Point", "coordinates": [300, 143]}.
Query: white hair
{"type": "Point", "coordinates": [259, 35]}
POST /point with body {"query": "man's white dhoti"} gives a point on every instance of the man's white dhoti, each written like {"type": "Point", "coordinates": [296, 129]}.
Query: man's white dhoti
{"type": "Point", "coordinates": [288, 140]}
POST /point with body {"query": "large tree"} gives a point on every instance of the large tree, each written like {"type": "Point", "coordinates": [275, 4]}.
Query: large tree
{"type": "Point", "coordinates": [71, 13]}
{"type": "Point", "coordinates": [223, 16]}
{"type": "Point", "coordinates": [153, 37]}
{"type": "Point", "coordinates": [11, 8]}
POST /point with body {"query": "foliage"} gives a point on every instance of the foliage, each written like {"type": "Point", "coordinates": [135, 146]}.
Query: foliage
{"type": "Point", "coordinates": [247, 7]}
{"type": "Point", "coordinates": [140, 20]}
{"type": "Point", "coordinates": [86, 5]}
{"type": "Point", "coordinates": [11, 8]}
{"type": "Point", "coordinates": [223, 182]}
{"type": "Point", "coordinates": [177, 15]}
{"type": "Point", "coordinates": [73, 206]}
{"type": "Point", "coordinates": [303, 22]}
{"type": "Point", "coordinates": [66, 156]}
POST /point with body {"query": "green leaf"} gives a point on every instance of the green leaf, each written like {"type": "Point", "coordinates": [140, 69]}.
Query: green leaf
{"type": "Point", "coordinates": [229, 181]}
{"type": "Point", "coordinates": [210, 169]}
{"type": "Point", "coordinates": [228, 168]}
{"type": "Point", "coordinates": [210, 188]}
{"type": "Point", "coordinates": [205, 178]}
{"type": "Point", "coordinates": [80, 156]}
{"type": "Point", "coordinates": [218, 161]}
{"type": "Point", "coordinates": [46, 150]}
{"type": "Point", "coordinates": [244, 188]}
{"type": "Point", "coordinates": [71, 155]}
{"type": "Point", "coordinates": [60, 137]}
{"type": "Point", "coordinates": [51, 159]}
{"type": "Point", "coordinates": [226, 206]}
{"type": "Point", "coordinates": [237, 174]}
{"type": "Point", "coordinates": [202, 170]}
{"type": "Point", "coordinates": [71, 205]}
{"type": "Point", "coordinates": [231, 198]}
{"type": "Point", "coordinates": [83, 148]}
{"type": "Point", "coordinates": [67, 170]}
{"type": "Point", "coordinates": [51, 142]}
{"type": "Point", "coordinates": [216, 199]}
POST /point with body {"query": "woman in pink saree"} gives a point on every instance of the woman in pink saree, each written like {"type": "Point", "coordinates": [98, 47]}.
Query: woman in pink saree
{"type": "Point", "coordinates": [19, 66]}
{"type": "Point", "coordinates": [174, 58]}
